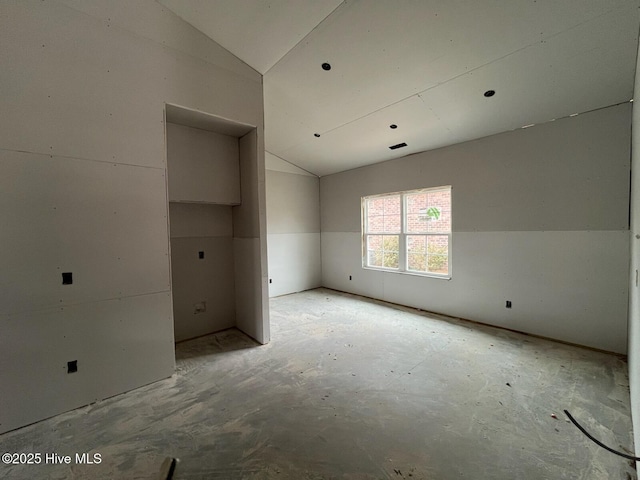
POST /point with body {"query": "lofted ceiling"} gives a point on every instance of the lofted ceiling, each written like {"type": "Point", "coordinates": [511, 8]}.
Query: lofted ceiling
{"type": "Point", "coordinates": [421, 65]}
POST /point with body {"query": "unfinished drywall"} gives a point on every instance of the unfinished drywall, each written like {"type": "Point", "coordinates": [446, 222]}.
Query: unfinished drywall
{"type": "Point", "coordinates": [203, 166]}
{"type": "Point", "coordinates": [293, 228]}
{"type": "Point", "coordinates": [634, 270]}
{"type": "Point", "coordinates": [539, 218]}
{"type": "Point", "coordinates": [83, 173]}
{"type": "Point", "coordinates": [203, 169]}
{"type": "Point", "coordinates": [202, 271]}
{"type": "Point", "coordinates": [250, 243]}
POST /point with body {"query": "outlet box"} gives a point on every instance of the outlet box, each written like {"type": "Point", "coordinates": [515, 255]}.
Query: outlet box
{"type": "Point", "coordinates": [508, 305]}
{"type": "Point", "coordinates": [67, 278]}
{"type": "Point", "coordinates": [199, 307]}
{"type": "Point", "coordinates": [200, 255]}
{"type": "Point", "coordinates": [349, 277]}
{"type": "Point", "coordinates": [72, 366]}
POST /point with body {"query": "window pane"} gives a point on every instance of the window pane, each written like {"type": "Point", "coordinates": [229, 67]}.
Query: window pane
{"type": "Point", "coordinates": [392, 205]}
{"type": "Point", "coordinates": [382, 251]}
{"type": "Point", "coordinates": [375, 224]}
{"type": "Point", "coordinates": [438, 264]}
{"type": "Point", "coordinates": [416, 213]}
{"type": "Point", "coordinates": [417, 253]}
{"type": "Point", "coordinates": [391, 247]}
{"type": "Point", "coordinates": [438, 254]}
{"type": "Point", "coordinates": [416, 202]}
{"type": "Point", "coordinates": [375, 206]}
{"type": "Point", "coordinates": [417, 262]}
{"type": "Point", "coordinates": [392, 223]}
{"type": "Point", "coordinates": [439, 211]}
{"type": "Point", "coordinates": [374, 258]}
{"type": "Point", "coordinates": [383, 214]}
{"type": "Point", "coordinates": [429, 212]}
{"type": "Point", "coordinates": [417, 243]}
{"type": "Point", "coordinates": [417, 223]}
{"type": "Point", "coordinates": [374, 250]}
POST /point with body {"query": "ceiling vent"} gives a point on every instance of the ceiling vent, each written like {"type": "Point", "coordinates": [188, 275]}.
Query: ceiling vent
{"type": "Point", "coordinates": [399, 145]}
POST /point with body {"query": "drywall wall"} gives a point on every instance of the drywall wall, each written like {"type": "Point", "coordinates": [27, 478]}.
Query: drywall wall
{"type": "Point", "coordinates": [249, 242]}
{"type": "Point", "coordinates": [202, 269]}
{"type": "Point", "coordinates": [540, 218]}
{"type": "Point", "coordinates": [203, 166]}
{"type": "Point", "coordinates": [634, 271]}
{"type": "Point", "coordinates": [83, 173]}
{"type": "Point", "coordinates": [293, 228]}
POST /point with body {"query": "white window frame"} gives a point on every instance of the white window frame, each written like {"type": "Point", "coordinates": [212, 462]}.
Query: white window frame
{"type": "Point", "coordinates": [402, 241]}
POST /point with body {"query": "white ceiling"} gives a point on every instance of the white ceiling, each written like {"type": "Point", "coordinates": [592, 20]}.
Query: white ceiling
{"type": "Point", "coordinates": [423, 65]}
{"type": "Point", "coordinates": [258, 32]}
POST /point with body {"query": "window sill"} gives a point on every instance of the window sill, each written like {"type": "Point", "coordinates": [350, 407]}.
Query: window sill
{"type": "Point", "coordinates": [413, 274]}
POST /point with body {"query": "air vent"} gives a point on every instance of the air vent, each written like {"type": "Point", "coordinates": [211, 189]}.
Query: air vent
{"type": "Point", "coordinates": [399, 145]}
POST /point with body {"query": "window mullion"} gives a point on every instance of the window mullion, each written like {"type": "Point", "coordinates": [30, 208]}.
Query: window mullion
{"type": "Point", "coordinates": [402, 243]}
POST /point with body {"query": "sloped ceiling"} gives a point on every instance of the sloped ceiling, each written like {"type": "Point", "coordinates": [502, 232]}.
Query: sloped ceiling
{"type": "Point", "coordinates": [421, 65]}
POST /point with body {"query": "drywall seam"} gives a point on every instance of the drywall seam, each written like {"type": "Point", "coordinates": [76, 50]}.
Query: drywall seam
{"type": "Point", "coordinates": [290, 163]}
{"type": "Point", "coordinates": [69, 157]}
{"type": "Point", "coordinates": [74, 304]}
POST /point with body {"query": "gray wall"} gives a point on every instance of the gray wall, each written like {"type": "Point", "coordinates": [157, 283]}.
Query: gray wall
{"type": "Point", "coordinates": [202, 228]}
{"type": "Point", "coordinates": [250, 241]}
{"type": "Point", "coordinates": [202, 166]}
{"type": "Point", "coordinates": [293, 228]}
{"type": "Point", "coordinates": [634, 270]}
{"type": "Point", "coordinates": [540, 217]}
{"type": "Point", "coordinates": [82, 173]}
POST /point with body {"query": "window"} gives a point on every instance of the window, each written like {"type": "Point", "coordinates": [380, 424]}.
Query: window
{"type": "Point", "coordinates": [408, 232]}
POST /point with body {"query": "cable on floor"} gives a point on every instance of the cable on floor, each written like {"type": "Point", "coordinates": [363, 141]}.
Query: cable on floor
{"type": "Point", "coordinates": [598, 442]}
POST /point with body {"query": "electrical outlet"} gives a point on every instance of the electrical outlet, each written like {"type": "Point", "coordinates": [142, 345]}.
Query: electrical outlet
{"type": "Point", "coordinates": [199, 307]}
{"type": "Point", "coordinates": [200, 255]}
{"type": "Point", "coordinates": [270, 280]}
{"type": "Point", "coordinates": [508, 305]}
{"type": "Point", "coordinates": [72, 366]}
{"type": "Point", "coordinates": [349, 277]}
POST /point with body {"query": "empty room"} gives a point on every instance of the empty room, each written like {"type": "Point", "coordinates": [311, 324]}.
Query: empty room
{"type": "Point", "coordinates": [319, 239]}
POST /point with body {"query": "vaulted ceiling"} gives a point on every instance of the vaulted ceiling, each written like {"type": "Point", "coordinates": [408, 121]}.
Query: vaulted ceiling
{"type": "Point", "coordinates": [421, 65]}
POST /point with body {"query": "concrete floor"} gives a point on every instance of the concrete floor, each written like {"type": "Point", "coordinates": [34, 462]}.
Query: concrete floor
{"type": "Point", "coordinates": [351, 388]}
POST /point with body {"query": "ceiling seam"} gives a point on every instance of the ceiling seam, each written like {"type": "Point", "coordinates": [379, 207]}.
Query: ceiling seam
{"type": "Point", "coordinates": [521, 49]}
{"type": "Point", "coordinates": [291, 163]}
{"type": "Point", "coordinates": [303, 38]}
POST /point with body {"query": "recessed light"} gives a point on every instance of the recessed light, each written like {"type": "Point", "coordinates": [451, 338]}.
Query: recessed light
{"type": "Point", "coordinates": [326, 66]}
{"type": "Point", "coordinates": [489, 93]}
{"type": "Point", "coordinates": [317, 135]}
{"type": "Point", "coordinates": [393, 126]}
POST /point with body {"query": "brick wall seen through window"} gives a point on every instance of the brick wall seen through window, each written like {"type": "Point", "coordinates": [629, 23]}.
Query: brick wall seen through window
{"type": "Point", "coordinates": [408, 231]}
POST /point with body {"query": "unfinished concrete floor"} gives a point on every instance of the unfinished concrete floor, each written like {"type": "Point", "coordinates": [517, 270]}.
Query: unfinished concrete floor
{"type": "Point", "coordinates": [351, 388]}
